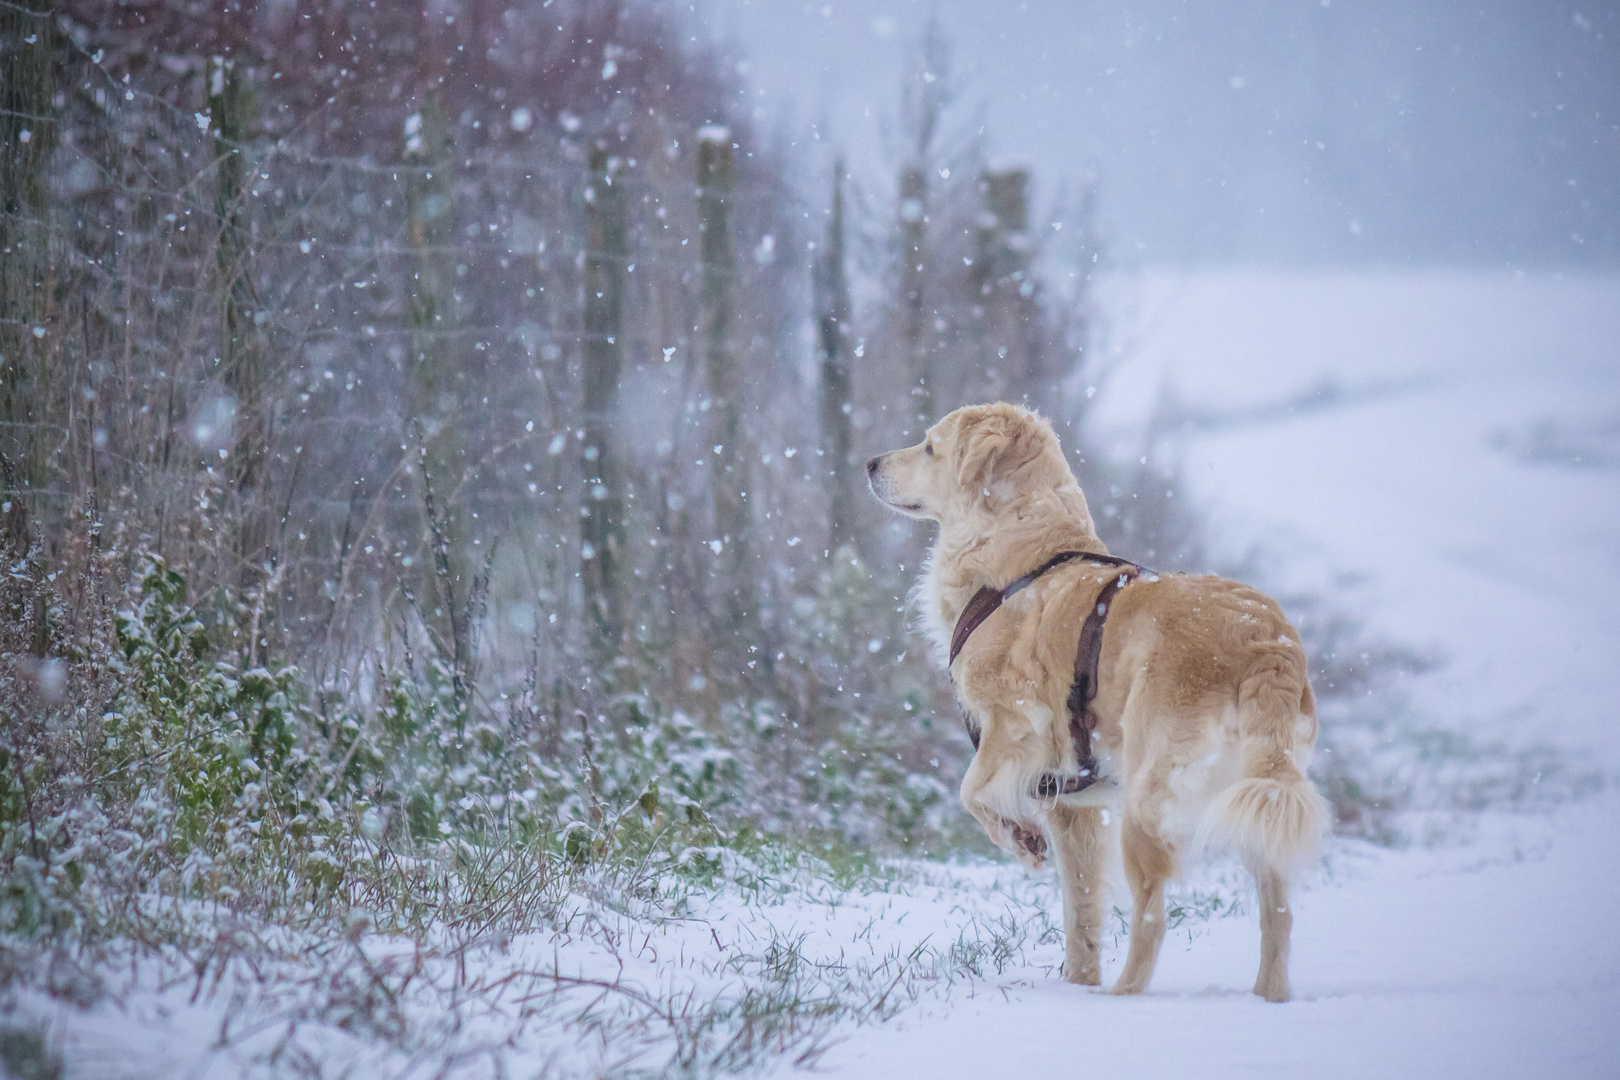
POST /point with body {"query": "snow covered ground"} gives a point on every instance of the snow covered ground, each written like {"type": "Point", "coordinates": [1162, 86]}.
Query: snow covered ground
{"type": "Point", "coordinates": [1497, 961]}
{"type": "Point", "coordinates": [1460, 488]}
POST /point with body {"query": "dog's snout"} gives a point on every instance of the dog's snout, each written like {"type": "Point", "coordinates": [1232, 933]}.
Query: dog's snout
{"type": "Point", "coordinates": [872, 466]}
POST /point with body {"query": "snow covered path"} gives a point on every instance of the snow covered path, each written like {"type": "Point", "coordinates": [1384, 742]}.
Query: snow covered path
{"type": "Point", "coordinates": [1469, 503]}
{"type": "Point", "coordinates": [1406, 964]}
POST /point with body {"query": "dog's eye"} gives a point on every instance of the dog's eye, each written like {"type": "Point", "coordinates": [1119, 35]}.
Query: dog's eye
{"type": "Point", "coordinates": [928, 448]}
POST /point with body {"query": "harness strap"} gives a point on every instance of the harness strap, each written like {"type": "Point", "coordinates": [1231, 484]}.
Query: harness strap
{"type": "Point", "coordinates": [1088, 654]}
{"type": "Point", "coordinates": [985, 602]}
{"type": "Point", "coordinates": [1082, 721]}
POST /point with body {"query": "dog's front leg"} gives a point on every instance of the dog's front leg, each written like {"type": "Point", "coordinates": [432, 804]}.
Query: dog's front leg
{"type": "Point", "coordinates": [990, 793]}
{"type": "Point", "coordinates": [996, 827]}
{"type": "Point", "coordinates": [1077, 836]}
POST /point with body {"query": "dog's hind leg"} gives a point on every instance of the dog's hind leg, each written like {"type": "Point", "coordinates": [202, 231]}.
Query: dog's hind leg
{"type": "Point", "coordinates": [1273, 816]}
{"type": "Point", "coordinates": [1077, 838]}
{"type": "Point", "coordinates": [1148, 863]}
{"type": "Point", "coordinates": [1276, 926]}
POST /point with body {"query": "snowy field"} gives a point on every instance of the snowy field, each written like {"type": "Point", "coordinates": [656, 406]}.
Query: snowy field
{"type": "Point", "coordinates": [1458, 485]}
{"type": "Point", "coordinates": [1461, 489]}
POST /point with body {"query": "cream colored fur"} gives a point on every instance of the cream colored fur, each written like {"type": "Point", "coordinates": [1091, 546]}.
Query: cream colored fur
{"type": "Point", "coordinates": [1205, 720]}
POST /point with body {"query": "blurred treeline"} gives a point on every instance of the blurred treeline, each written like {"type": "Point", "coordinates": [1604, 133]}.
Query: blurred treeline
{"type": "Point", "coordinates": [484, 380]}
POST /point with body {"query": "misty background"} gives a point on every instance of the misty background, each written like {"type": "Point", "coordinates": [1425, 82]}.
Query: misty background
{"type": "Point", "coordinates": [1282, 132]}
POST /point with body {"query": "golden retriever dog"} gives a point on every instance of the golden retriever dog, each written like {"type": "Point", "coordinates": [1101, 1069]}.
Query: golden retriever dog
{"type": "Point", "coordinates": [1204, 719]}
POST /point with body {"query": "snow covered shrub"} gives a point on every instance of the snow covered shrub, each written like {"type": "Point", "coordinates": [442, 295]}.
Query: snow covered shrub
{"type": "Point", "coordinates": [687, 765]}
{"type": "Point", "coordinates": [216, 740]}
{"type": "Point", "coordinates": [138, 758]}
{"type": "Point", "coordinates": [50, 684]}
{"type": "Point", "coordinates": [867, 760]}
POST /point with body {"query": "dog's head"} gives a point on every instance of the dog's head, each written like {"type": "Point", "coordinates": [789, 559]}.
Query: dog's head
{"type": "Point", "coordinates": [973, 459]}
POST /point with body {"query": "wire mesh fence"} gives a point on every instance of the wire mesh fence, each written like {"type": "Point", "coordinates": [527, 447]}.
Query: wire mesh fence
{"type": "Point", "coordinates": [337, 370]}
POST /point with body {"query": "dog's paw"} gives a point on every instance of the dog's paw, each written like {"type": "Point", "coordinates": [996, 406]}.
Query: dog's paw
{"type": "Point", "coordinates": [1274, 989]}
{"type": "Point", "coordinates": [1031, 844]}
{"type": "Point", "coordinates": [1082, 974]}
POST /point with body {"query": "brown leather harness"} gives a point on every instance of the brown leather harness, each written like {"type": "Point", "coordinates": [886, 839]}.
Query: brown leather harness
{"type": "Point", "coordinates": [1082, 721]}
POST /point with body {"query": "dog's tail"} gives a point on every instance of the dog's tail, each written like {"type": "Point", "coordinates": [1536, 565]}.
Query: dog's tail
{"type": "Point", "coordinates": [1274, 817]}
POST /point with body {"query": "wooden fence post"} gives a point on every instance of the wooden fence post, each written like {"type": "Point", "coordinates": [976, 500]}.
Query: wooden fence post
{"type": "Point", "coordinates": [719, 273]}
{"type": "Point", "coordinates": [836, 378]}
{"type": "Point", "coordinates": [239, 359]}
{"type": "Point", "coordinates": [602, 509]}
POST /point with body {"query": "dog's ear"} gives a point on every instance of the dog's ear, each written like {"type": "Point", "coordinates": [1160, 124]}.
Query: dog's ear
{"type": "Point", "coordinates": [993, 442]}
{"type": "Point", "coordinates": [979, 440]}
